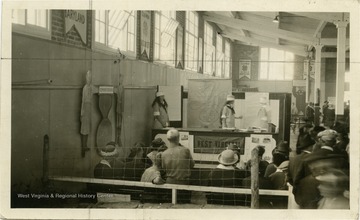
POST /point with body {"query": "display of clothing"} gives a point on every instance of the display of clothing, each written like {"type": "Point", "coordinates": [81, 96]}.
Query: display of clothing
{"type": "Point", "coordinates": [161, 117]}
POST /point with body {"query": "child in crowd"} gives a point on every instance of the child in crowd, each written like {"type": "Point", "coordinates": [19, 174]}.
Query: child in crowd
{"type": "Point", "coordinates": [152, 174]}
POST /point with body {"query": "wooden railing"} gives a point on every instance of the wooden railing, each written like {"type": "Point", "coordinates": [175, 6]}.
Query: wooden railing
{"type": "Point", "coordinates": [173, 187]}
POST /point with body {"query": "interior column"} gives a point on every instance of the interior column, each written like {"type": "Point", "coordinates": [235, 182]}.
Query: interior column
{"type": "Point", "coordinates": [317, 83]}
{"type": "Point", "coordinates": [340, 67]}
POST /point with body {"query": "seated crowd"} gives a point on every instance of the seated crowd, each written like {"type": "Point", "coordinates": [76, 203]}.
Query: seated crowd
{"type": "Point", "coordinates": [318, 173]}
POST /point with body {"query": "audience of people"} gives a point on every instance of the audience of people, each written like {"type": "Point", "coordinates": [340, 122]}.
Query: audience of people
{"type": "Point", "coordinates": [318, 173]}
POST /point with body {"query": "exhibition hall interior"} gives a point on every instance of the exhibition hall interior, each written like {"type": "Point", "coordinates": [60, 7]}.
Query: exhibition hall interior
{"type": "Point", "coordinates": [139, 109]}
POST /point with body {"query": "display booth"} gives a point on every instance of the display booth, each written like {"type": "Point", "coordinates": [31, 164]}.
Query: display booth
{"type": "Point", "coordinates": [202, 133]}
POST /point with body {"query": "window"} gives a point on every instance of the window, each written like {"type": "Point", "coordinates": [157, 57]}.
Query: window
{"type": "Point", "coordinates": [219, 56]}
{"type": "Point", "coordinates": [209, 49]}
{"type": "Point", "coordinates": [191, 40]}
{"type": "Point", "coordinates": [115, 29]}
{"type": "Point", "coordinates": [276, 64]}
{"type": "Point", "coordinates": [32, 22]}
{"type": "Point", "coordinates": [164, 42]}
{"type": "Point", "coordinates": [227, 62]}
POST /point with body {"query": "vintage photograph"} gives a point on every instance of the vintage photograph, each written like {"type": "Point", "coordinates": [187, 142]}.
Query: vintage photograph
{"type": "Point", "coordinates": [164, 109]}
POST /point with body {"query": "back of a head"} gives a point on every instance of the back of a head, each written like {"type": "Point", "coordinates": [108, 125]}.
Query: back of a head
{"type": "Point", "coordinates": [173, 136]}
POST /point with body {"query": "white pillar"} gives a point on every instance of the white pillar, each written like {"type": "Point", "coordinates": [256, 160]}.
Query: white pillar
{"type": "Point", "coordinates": [340, 66]}
{"type": "Point", "coordinates": [317, 77]}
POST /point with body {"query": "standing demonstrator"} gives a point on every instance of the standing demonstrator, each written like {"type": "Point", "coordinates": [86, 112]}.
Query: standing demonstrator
{"type": "Point", "coordinates": [228, 113]}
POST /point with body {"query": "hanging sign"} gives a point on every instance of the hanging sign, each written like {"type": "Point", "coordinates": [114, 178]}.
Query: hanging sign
{"type": "Point", "coordinates": [145, 33]}
{"type": "Point", "coordinates": [179, 47]}
{"type": "Point", "coordinates": [76, 19]}
{"type": "Point", "coordinates": [309, 69]}
{"type": "Point", "coordinates": [244, 69]}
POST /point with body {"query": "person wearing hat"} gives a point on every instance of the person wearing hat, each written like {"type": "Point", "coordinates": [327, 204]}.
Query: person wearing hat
{"type": "Point", "coordinates": [161, 117]}
{"type": "Point", "coordinates": [332, 186]}
{"type": "Point", "coordinates": [156, 146]}
{"type": "Point", "coordinates": [104, 169]}
{"type": "Point", "coordinates": [280, 154]}
{"type": "Point", "coordinates": [153, 175]}
{"type": "Point", "coordinates": [325, 107]}
{"type": "Point", "coordinates": [226, 175]}
{"type": "Point", "coordinates": [228, 117]}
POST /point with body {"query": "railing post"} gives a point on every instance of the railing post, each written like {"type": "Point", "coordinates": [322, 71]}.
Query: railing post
{"type": "Point", "coordinates": [45, 177]}
{"type": "Point", "coordinates": [173, 196]}
{"type": "Point", "coordinates": [255, 178]}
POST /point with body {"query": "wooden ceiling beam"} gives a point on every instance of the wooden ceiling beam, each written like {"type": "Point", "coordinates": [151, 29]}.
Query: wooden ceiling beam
{"type": "Point", "coordinates": [259, 28]}
{"type": "Point", "coordinates": [328, 17]}
{"type": "Point", "coordinates": [265, 44]}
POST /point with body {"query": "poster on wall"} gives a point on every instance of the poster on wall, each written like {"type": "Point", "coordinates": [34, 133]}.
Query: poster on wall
{"type": "Point", "coordinates": [244, 68]}
{"type": "Point", "coordinates": [76, 19]}
{"type": "Point", "coordinates": [179, 47]}
{"type": "Point", "coordinates": [145, 34]}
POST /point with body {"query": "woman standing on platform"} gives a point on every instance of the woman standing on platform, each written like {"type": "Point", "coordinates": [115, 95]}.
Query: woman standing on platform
{"type": "Point", "coordinates": [228, 113]}
{"type": "Point", "coordinates": [161, 117]}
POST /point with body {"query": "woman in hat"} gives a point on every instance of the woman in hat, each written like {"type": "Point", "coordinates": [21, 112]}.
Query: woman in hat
{"type": "Point", "coordinates": [228, 113]}
{"type": "Point", "coordinates": [226, 175]}
{"type": "Point", "coordinates": [161, 117]}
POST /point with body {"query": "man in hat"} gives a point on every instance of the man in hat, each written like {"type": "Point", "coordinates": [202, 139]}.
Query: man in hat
{"type": "Point", "coordinates": [226, 175]}
{"type": "Point", "coordinates": [228, 113]}
{"type": "Point", "coordinates": [332, 186]}
{"type": "Point", "coordinates": [280, 154]}
{"type": "Point", "coordinates": [177, 163]}
{"type": "Point", "coordinates": [161, 117]}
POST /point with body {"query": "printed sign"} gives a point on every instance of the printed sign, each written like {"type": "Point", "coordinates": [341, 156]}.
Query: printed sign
{"type": "Point", "coordinates": [77, 19]}
{"type": "Point", "coordinates": [244, 69]}
{"type": "Point", "coordinates": [215, 145]}
{"type": "Point", "coordinates": [179, 47]}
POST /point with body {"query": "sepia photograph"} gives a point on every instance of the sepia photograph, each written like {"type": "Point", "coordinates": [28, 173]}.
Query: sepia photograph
{"type": "Point", "coordinates": [153, 110]}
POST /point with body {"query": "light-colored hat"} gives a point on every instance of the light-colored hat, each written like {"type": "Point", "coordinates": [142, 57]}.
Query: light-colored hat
{"type": "Point", "coordinates": [158, 94]}
{"type": "Point", "coordinates": [230, 98]}
{"type": "Point", "coordinates": [284, 165]}
{"type": "Point", "coordinates": [109, 150]}
{"type": "Point", "coordinates": [327, 135]}
{"type": "Point", "coordinates": [228, 157]}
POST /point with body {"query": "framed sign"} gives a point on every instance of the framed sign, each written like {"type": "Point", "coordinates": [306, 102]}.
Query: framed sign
{"type": "Point", "coordinates": [244, 68]}
{"type": "Point", "coordinates": [76, 19]}
{"type": "Point", "coordinates": [145, 34]}
{"type": "Point", "coordinates": [179, 47]}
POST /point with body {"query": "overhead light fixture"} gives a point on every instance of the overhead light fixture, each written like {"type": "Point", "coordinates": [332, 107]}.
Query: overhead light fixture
{"type": "Point", "coordinates": [276, 19]}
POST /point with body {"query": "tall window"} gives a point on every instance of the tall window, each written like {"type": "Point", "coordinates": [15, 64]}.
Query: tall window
{"type": "Point", "coordinates": [219, 56]}
{"type": "Point", "coordinates": [227, 62]}
{"type": "Point", "coordinates": [164, 42]}
{"type": "Point", "coordinates": [209, 49]}
{"type": "Point", "coordinates": [276, 64]}
{"type": "Point", "coordinates": [32, 22]}
{"type": "Point", "coordinates": [115, 29]}
{"type": "Point", "coordinates": [191, 38]}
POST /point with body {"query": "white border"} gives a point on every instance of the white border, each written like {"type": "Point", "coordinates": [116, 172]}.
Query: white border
{"type": "Point", "coordinates": [351, 6]}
